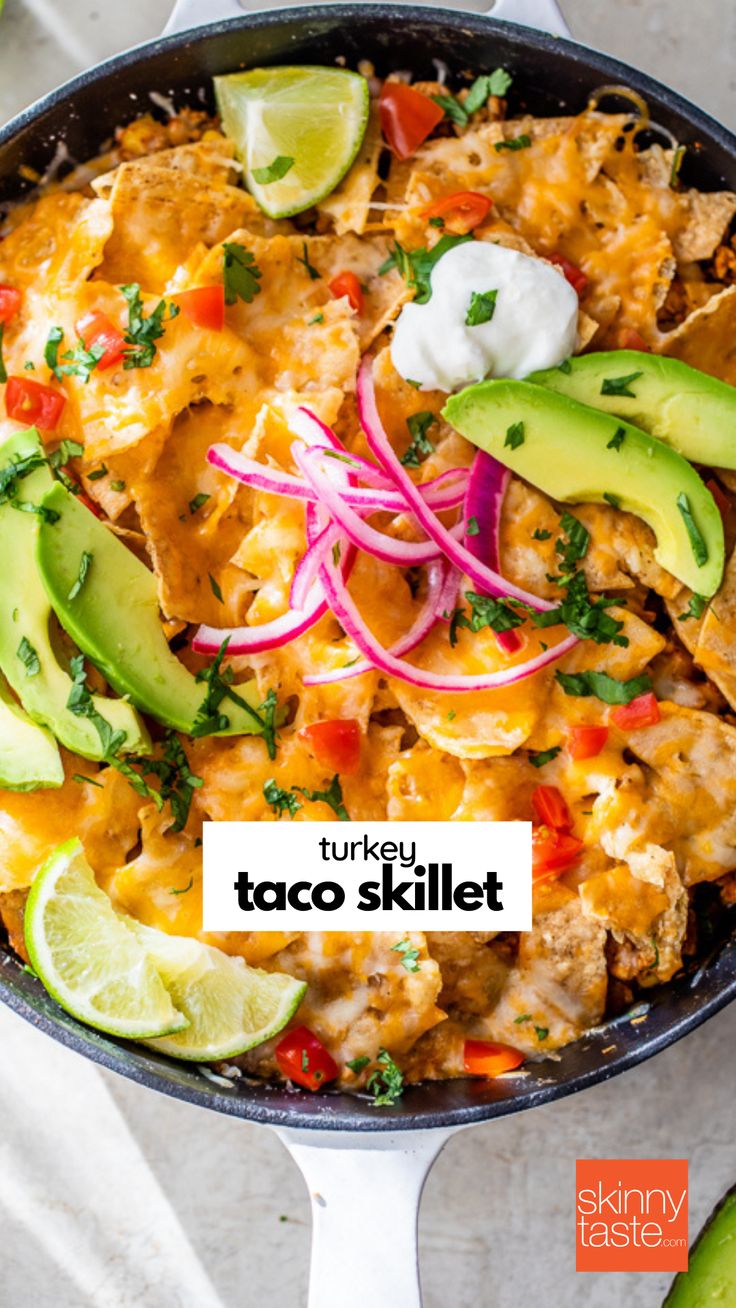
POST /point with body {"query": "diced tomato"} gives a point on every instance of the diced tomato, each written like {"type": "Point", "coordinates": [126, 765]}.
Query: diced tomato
{"type": "Point", "coordinates": [722, 501]}
{"type": "Point", "coordinates": [553, 852]}
{"type": "Point", "coordinates": [204, 306]}
{"type": "Point", "coordinates": [96, 329]}
{"type": "Point", "coordinates": [302, 1058]}
{"type": "Point", "coordinates": [482, 1058]}
{"type": "Point", "coordinates": [551, 808]}
{"type": "Point", "coordinates": [346, 283]}
{"type": "Point", "coordinates": [586, 741]}
{"type": "Point", "coordinates": [335, 744]}
{"type": "Point", "coordinates": [575, 276]}
{"type": "Point", "coordinates": [10, 301]}
{"type": "Point", "coordinates": [462, 211]}
{"type": "Point", "coordinates": [641, 712]}
{"type": "Point", "coordinates": [407, 117]}
{"type": "Point", "coordinates": [36, 405]}
{"type": "Point", "coordinates": [629, 339]}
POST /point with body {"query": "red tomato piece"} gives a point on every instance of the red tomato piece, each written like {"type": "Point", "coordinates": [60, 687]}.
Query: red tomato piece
{"type": "Point", "coordinates": [407, 117]}
{"type": "Point", "coordinates": [335, 744]}
{"type": "Point", "coordinates": [586, 741]}
{"type": "Point", "coordinates": [302, 1058]}
{"type": "Point", "coordinates": [721, 500]}
{"type": "Point", "coordinates": [575, 276]}
{"type": "Point", "coordinates": [204, 306]}
{"type": "Point", "coordinates": [346, 283]}
{"type": "Point", "coordinates": [10, 301]}
{"type": "Point", "coordinates": [96, 329]}
{"type": "Point", "coordinates": [36, 405]}
{"type": "Point", "coordinates": [551, 809]}
{"type": "Point", "coordinates": [462, 211]}
{"type": "Point", "coordinates": [641, 712]}
{"type": "Point", "coordinates": [629, 339]}
{"type": "Point", "coordinates": [482, 1058]}
{"type": "Point", "coordinates": [553, 852]}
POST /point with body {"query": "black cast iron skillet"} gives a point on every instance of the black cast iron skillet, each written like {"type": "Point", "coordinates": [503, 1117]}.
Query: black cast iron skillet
{"type": "Point", "coordinates": [550, 76]}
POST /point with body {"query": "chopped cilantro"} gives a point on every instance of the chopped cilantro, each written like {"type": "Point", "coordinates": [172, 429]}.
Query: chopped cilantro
{"type": "Point", "coordinates": [51, 350]}
{"type": "Point", "coordinates": [143, 330]}
{"type": "Point", "coordinates": [695, 608]}
{"type": "Point", "coordinates": [584, 617]}
{"type": "Point", "coordinates": [620, 385]}
{"type": "Point", "coordinates": [481, 308]}
{"type": "Point", "coordinates": [452, 109]}
{"type": "Point", "coordinates": [608, 689]}
{"type": "Point", "coordinates": [185, 889]}
{"type": "Point", "coordinates": [418, 424]}
{"type": "Point", "coordinates": [274, 171]}
{"type": "Point", "coordinates": [576, 545]}
{"type": "Point", "coordinates": [209, 719]}
{"type": "Point", "coordinates": [485, 611]}
{"type": "Point", "coordinates": [3, 369]}
{"type": "Point", "coordinates": [613, 500]}
{"type": "Point", "coordinates": [471, 526]}
{"type": "Point", "coordinates": [86, 781]}
{"type": "Point", "coordinates": [488, 84]}
{"type": "Point", "coordinates": [98, 473]}
{"type": "Point", "coordinates": [240, 273]}
{"type": "Point", "coordinates": [82, 705]}
{"type": "Point", "coordinates": [540, 533]}
{"type": "Point", "coordinates": [515, 143]}
{"type": "Point", "coordinates": [81, 362]}
{"type": "Point", "coordinates": [178, 782]}
{"type": "Point", "coordinates": [85, 563]}
{"type": "Point", "coordinates": [281, 801]}
{"type": "Point", "coordinates": [357, 1064]}
{"type": "Point", "coordinates": [544, 756]}
{"type": "Point", "coordinates": [67, 450]}
{"type": "Point", "coordinates": [409, 955]}
{"type": "Point", "coordinates": [197, 502]}
{"type": "Point", "coordinates": [514, 436]}
{"type": "Point", "coordinates": [386, 1083]}
{"type": "Point", "coordinates": [29, 658]}
{"type": "Point", "coordinates": [309, 268]}
{"type": "Point", "coordinates": [695, 536]}
{"type": "Point", "coordinates": [437, 222]}
{"type": "Point", "coordinates": [565, 366]}
{"type": "Point", "coordinates": [416, 266]}
{"type": "Point", "coordinates": [117, 486]}
{"type": "Point", "coordinates": [541, 1032]}
{"type": "Point", "coordinates": [617, 440]}
{"type": "Point", "coordinates": [332, 796]}
{"type": "Point", "coordinates": [214, 587]}
{"type": "Point", "coordinates": [451, 715]}
{"type": "Point", "coordinates": [523, 1017]}
{"type": "Point", "coordinates": [318, 317]}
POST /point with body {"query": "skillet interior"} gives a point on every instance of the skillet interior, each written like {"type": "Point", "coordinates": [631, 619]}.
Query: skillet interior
{"type": "Point", "coordinates": [550, 76]}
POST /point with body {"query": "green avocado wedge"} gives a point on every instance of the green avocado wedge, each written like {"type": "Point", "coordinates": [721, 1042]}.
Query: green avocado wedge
{"type": "Point", "coordinates": [29, 756]}
{"type": "Point", "coordinates": [28, 651]}
{"type": "Point", "coordinates": [576, 454]}
{"type": "Point", "coordinates": [681, 406]}
{"type": "Point", "coordinates": [711, 1276]}
{"type": "Point", "coordinates": [106, 599]}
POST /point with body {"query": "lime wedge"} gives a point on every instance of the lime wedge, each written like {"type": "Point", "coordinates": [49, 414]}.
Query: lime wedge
{"type": "Point", "coordinates": [88, 959]}
{"type": "Point", "coordinates": [230, 1007]}
{"type": "Point", "coordinates": [302, 127]}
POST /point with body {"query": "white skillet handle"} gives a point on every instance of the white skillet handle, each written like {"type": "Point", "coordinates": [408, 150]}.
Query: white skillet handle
{"type": "Point", "coordinates": [543, 14]}
{"type": "Point", "coordinates": [364, 1191]}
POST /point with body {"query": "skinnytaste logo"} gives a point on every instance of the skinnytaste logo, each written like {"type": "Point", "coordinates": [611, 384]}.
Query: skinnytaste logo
{"type": "Point", "coordinates": [367, 876]}
{"type": "Point", "coordinates": [631, 1215]}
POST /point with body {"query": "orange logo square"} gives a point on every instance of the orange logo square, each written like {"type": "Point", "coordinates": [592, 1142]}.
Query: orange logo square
{"type": "Point", "coordinates": [631, 1215]}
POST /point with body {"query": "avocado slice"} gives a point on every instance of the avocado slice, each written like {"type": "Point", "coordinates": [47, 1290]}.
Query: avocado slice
{"type": "Point", "coordinates": [685, 408]}
{"type": "Point", "coordinates": [112, 614]}
{"type": "Point", "coordinates": [25, 616]}
{"type": "Point", "coordinates": [29, 756]}
{"type": "Point", "coordinates": [711, 1277]}
{"type": "Point", "coordinates": [574, 453]}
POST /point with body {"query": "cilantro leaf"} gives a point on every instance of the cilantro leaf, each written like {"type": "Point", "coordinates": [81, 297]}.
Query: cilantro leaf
{"type": "Point", "coordinates": [218, 681]}
{"type": "Point", "coordinates": [198, 501]}
{"type": "Point", "coordinates": [418, 424]}
{"type": "Point", "coordinates": [416, 266]}
{"type": "Point", "coordinates": [481, 308]}
{"type": "Point", "coordinates": [485, 611]}
{"type": "Point", "coordinates": [617, 440]}
{"type": "Point", "coordinates": [29, 658]}
{"type": "Point", "coordinates": [85, 563]}
{"type": "Point", "coordinates": [51, 350]}
{"type": "Point", "coordinates": [143, 330]}
{"type": "Point", "coordinates": [215, 588]}
{"type": "Point", "coordinates": [386, 1083]}
{"type": "Point", "coordinates": [583, 616]}
{"type": "Point", "coordinates": [3, 369]}
{"type": "Point", "coordinates": [332, 796]}
{"type": "Point", "coordinates": [409, 955]}
{"type": "Point", "coordinates": [471, 526]}
{"type": "Point", "coordinates": [178, 783]}
{"type": "Point", "coordinates": [496, 83]}
{"type": "Point", "coordinates": [357, 1064]}
{"type": "Point", "coordinates": [620, 385]}
{"type": "Point", "coordinates": [81, 704]}
{"type": "Point", "coordinates": [695, 608]}
{"type": "Point", "coordinates": [695, 536]}
{"type": "Point", "coordinates": [274, 171]}
{"type": "Point", "coordinates": [539, 759]}
{"type": "Point", "coordinates": [514, 143]}
{"type": "Point", "coordinates": [309, 268]}
{"type": "Point", "coordinates": [540, 533]}
{"type": "Point", "coordinates": [515, 436]}
{"type": "Point", "coordinates": [281, 801]}
{"type": "Point", "coordinates": [453, 109]}
{"type": "Point", "coordinates": [578, 540]}
{"type": "Point", "coordinates": [608, 689]}
{"type": "Point", "coordinates": [240, 273]}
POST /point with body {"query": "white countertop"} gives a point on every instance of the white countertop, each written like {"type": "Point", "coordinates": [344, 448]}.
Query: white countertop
{"type": "Point", "coordinates": [113, 1197]}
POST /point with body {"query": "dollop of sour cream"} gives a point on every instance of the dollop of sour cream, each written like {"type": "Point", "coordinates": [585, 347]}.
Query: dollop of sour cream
{"type": "Point", "coordinates": [534, 322]}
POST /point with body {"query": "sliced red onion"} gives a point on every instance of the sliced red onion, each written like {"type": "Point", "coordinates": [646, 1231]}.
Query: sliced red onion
{"type": "Point", "coordinates": [484, 496]}
{"type": "Point", "coordinates": [406, 554]}
{"type": "Point", "coordinates": [485, 578]}
{"type": "Point", "coordinates": [421, 627]}
{"type": "Point", "coordinates": [345, 610]}
{"type": "Point", "coordinates": [269, 635]}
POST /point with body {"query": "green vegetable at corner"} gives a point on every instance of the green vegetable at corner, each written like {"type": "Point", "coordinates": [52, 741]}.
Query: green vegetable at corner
{"type": "Point", "coordinates": [110, 609]}
{"type": "Point", "coordinates": [711, 1277]}
{"type": "Point", "coordinates": [297, 130]}
{"type": "Point", "coordinates": [575, 453]}
{"type": "Point", "coordinates": [683, 407]}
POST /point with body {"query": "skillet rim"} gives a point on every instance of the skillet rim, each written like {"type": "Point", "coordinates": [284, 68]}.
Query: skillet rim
{"type": "Point", "coordinates": [342, 1112]}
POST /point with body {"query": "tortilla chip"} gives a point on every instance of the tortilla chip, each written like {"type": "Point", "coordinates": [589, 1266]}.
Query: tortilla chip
{"type": "Point", "coordinates": [708, 217]}
{"type": "Point", "coordinates": [707, 338]}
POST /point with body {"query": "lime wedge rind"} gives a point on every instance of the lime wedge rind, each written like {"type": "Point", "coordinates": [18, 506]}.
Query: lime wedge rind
{"type": "Point", "coordinates": [86, 956]}
{"type": "Point", "coordinates": [315, 116]}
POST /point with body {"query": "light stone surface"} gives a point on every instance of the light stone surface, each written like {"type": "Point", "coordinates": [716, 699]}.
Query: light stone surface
{"type": "Point", "coordinates": [112, 1197]}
